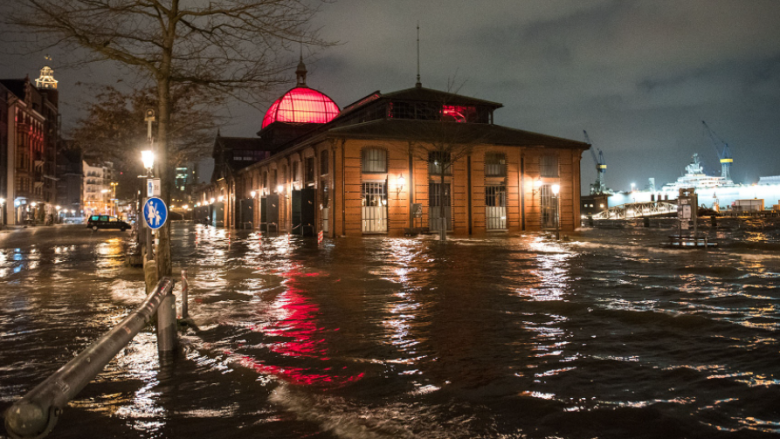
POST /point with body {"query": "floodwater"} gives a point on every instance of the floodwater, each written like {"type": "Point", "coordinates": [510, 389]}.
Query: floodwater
{"type": "Point", "coordinates": [606, 336]}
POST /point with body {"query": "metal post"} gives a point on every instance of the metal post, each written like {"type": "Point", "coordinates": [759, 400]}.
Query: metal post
{"type": "Point", "coordinates": [557, 217]}
{"type": "Point", "coordinates": [185, 290]}
{"type": "Point", "coordinates": [166, 326]}
{"type": "Point", "coordinates": [149, 239]}
{"type": "Point", "coordinates": [36, 413]}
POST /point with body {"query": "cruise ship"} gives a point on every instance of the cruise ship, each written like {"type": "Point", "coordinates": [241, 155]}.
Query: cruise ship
{"type": "Point", "coordinates": [717, 192]}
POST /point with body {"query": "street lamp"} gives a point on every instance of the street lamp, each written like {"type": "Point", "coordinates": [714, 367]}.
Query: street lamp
{"type": "Point", "coordinates": [556, 188]}
{"type": "Point", "coordinates": [147, 157]}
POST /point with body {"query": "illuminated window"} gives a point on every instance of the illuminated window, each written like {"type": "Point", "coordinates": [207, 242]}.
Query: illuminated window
{"type": "Point", "coordinates": [459, 113]}
{"type": "Point", "coordinates": [374, 160]}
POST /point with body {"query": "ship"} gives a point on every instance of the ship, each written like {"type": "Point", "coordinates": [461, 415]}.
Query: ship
{"type": "Point", "coordinates": [695, 177]}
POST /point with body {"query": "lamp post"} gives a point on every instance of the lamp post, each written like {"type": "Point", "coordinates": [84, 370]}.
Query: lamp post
{"type": "Point", "coordinates": [556, 188]}
{"type": "Point", "coordinates": [147, 157]}
{"type": "Point", "coordinates": [537, 189]}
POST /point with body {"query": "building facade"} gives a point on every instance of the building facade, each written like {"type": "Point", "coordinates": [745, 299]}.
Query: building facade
{"type": "Point", "coordinates": [410, 161]}
{"type": "Point", "coordinates": [98, 185]}
{"type": "Point", "coordinates": [31, 133]}
{"type": "Point", "coordinates": [70, 180]}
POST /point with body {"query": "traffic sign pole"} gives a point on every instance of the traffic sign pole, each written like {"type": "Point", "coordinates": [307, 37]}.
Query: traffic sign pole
{"type": "Point", "coordinates": [155, 214]}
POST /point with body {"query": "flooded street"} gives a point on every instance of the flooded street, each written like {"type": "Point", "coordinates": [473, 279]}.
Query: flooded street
{"type": "Point", "coordinates": [502, 337]}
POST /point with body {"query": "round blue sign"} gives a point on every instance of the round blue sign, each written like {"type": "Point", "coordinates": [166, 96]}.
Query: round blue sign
{"type": "Point", "coordinates": [155, 213]}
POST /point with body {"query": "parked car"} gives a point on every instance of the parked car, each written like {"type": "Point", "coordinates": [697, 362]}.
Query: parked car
{"type": "Point", "coordinates": [96, 222]}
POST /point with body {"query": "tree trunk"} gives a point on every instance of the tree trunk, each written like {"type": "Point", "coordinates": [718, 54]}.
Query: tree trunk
{"type": "Point", "coordinates": [164, 264]}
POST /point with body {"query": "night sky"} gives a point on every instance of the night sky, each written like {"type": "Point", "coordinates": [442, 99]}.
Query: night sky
{"type": "Point", "coordinates": [639, 76]}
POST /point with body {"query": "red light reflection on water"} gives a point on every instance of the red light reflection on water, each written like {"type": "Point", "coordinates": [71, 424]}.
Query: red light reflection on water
{"type": "Point", "coordinates": [304, 340]}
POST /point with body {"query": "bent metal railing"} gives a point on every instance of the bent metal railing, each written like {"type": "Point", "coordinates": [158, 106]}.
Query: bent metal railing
{"type": "Point", "coordinates": [637, 210]}
{"type": "Point", "coordinates": [35, 415]}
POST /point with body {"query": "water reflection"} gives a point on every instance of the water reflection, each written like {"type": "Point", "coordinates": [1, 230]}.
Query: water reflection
{"type": "Point", "coordinates": [484, 337]}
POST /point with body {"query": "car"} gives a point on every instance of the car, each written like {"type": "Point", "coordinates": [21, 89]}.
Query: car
{"type": "Point", "coordinates": [96, 222]}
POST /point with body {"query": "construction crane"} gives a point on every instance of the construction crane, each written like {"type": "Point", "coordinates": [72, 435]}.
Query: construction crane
{"type": "Point", "coordinates": [601, 168]}
{"type": "Point", "coordinates": [724, 152]}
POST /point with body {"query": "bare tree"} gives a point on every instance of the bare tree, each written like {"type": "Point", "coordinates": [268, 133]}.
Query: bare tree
{"type": "Point", "coordinates": [114, 129]}
{"type": "Point", "coordinates": [229, 46]}
{"type": "Point", "coordinates": [441, 139]}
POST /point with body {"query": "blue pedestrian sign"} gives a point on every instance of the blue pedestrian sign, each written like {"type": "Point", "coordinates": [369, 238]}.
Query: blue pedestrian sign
{"type": "Point", "coordinates": [155, 213]}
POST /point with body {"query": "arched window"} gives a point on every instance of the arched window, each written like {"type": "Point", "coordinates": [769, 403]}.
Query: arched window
{"type": "Point", "coordinates": [374, 160]}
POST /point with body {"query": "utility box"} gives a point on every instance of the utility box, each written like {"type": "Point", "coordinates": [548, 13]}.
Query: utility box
{"type": "Point", "coordinates": [687, 208]}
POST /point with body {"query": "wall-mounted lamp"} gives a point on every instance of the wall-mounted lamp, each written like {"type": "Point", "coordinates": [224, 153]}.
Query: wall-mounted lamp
{"type": "Point", "coordinates": [220, 198]}
{"type": "Point", "coordinates": [279, 189]}
{"type": "Point", "coordinates": [399, 184]}
{"type": "Point", "coordinates": [537, 185]}
{"type": "Point", "coordinates": [212, 200]}
{"type": "Point", "coordinates": [556, 188]}
{"type": "Point", "coordinates": [253, 194]}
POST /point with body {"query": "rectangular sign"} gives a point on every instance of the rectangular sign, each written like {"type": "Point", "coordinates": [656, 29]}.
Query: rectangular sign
{"type": "Point", "coordinates": [417, 210]}
{"type": "Point", "coordinates": [153, 187]}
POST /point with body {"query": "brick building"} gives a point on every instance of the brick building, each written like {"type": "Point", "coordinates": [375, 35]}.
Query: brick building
{"type": "Point", "coordinates": [30, 137]}
{"type": "Point", "coordinates": [389, 164]}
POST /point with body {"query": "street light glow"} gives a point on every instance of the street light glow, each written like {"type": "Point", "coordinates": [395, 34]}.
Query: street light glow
{"type": "Point", "coordinates": [253, 193]}
{"type": "Point", "coordinates": [147, 157]}
{"type": "Point", "coordinates": [556, 188]}
{"type": "Point", "coordinates": [279, 189]}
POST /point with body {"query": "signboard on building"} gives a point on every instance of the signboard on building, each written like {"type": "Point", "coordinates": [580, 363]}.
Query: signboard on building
{"type": "Point", "coordinates": [153, 187]}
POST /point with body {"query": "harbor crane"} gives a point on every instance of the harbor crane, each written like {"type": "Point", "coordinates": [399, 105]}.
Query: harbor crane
{"type": "Point", "coordinates": [724, 152]}
{"type": "Point", "coordinates": [599, 187]}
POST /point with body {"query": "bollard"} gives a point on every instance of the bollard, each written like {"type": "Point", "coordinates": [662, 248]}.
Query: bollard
{"type": "Point", "coordinates": [166, 326]}
{"type": "Point", "coordinates": [185, 290]}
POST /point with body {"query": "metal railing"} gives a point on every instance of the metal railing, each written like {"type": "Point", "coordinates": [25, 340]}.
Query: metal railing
{"type": "Point", "coordinates": [35, 415]}
{"type": "Point", "coordinates": [637, 210]}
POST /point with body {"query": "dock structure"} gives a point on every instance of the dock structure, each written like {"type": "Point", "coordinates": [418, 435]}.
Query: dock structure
{"type": "Point", "coordinates": [638, 210]}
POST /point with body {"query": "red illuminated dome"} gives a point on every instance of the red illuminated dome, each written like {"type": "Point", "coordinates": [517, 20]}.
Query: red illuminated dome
{"type": "Point", "coordinates": [301, 104]}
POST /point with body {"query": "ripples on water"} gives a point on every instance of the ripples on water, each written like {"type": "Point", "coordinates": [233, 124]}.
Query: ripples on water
{"type": "Point", "coordinates": [606, 336]}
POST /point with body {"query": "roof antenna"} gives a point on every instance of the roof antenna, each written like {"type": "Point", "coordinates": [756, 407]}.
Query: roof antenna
{"type": "Point", "coordinates": [418, 84]}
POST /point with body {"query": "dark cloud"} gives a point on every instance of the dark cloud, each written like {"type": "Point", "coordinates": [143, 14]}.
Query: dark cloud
{"type": "Point", "coordinates": [638, 75]}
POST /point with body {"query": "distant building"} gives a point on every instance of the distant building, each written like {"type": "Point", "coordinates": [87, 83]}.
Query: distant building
{"type": "Point", "coordinates": [98, 195]}
{"type": "Point", "coordinates": [356, 171]}
{"type": "Point", "coordinates": [70, 180]}
{"type": "Point", "coordinates": [29, 146]}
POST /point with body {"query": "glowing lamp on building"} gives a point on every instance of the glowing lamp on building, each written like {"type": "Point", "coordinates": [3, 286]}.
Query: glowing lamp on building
{"type": "Point", "coordinates": [253, 194]}
{"type": "Point", "coordinates": [212, 200]}
{"type": "Point", "coordinates": [301, 105]}
{"type": "Point", "coordinates": [220, 198]}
